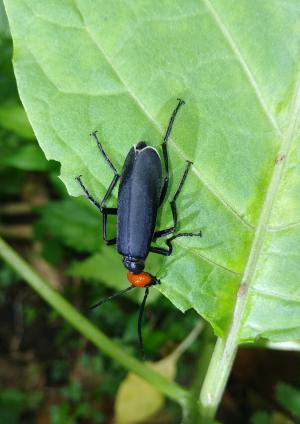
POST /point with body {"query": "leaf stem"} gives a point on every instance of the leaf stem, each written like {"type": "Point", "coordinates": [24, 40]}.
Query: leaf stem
{"type": "Point", "coordinates": [185, 344]}
{"type": "Point", "coordinates": [88, 330]}
{"type": "Point", "coordinates": [216, 379]}
{"type": "Point", "coordinates": [192, 414]}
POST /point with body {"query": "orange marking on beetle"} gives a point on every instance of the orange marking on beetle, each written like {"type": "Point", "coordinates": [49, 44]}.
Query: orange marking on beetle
{"type": "Point", "coordinates": [143, 279]}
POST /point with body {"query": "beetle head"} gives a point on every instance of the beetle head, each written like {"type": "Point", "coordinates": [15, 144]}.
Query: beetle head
{"type": "Point", "coordinates": [134, 265]}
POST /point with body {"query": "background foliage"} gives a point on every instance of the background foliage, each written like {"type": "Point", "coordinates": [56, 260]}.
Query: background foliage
{"type": "Point", "coordinates": [236, 118]}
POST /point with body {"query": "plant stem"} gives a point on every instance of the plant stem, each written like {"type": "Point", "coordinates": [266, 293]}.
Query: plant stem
{"type": "Point", "coordinates": [216, 379]}
{"type": "Point", "coordinates": [207, 342]}
{"type": "Point", "coordinates": [185, 344]}
{"type": "Point", "coordinates": [88, 330]}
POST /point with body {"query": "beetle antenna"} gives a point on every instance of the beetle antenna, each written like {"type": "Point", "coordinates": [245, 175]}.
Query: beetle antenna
{"type": "Point", "coordinates": [142, 308]}
{"type": "Point", "coordinates": [112, 297]}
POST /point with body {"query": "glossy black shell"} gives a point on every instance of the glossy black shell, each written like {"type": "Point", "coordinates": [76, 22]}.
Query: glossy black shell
{"type": "Point", "coordinates": [138, 201]}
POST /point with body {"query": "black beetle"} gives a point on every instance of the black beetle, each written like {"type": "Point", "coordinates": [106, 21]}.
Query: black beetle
{"type": "Point", "coordinates": [141, 192]}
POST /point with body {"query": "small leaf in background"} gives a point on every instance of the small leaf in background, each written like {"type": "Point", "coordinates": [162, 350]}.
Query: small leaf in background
{"type": "Point", "coordinates": [261, 417]}
{"type": "Point", "coordinates": [14, 118]}
{"type": "Point", "coordinates": [270, 418]}
{"type": "Point", "coordinates": [72, 221]}
{"type": "Point", "coordinates": [8, 88]}
{"type": "Point", "coordinates": [289, 398]}
{"type": "Point", "coordinates": [4, 28]}
{"type": "Point", "coordinates": [105, 267]}
{"type": "Point", "coordinates": [12, 404]}
{"type": "Point", "coordinates": [137, 400]}
{"type": "Point", "coordinates": [28, 157]}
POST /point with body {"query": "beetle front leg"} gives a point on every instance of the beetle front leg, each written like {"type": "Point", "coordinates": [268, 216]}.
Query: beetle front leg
{"type": "Point", "coordinates": [102, 151]}
{"type": "Point", "coordinates": [112, 167]}
{"type": "Point", "coordinates": [101, 206]}
{"type": "Point", "coordinates": [165, 150]}
{"type": "Point", "coordinates": [105, 211]}
{"type": "Point", "coordinates": [87, 193]}
{"type": "Point", "coordinates": [98, 205]}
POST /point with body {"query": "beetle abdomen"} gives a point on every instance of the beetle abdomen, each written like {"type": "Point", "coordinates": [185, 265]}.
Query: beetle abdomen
{"type": "Point", "coordinates": [138, 200]}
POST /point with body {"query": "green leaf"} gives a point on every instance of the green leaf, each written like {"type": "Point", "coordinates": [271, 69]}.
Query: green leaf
{"type": "Point", "coordinates": [27, 157]}
{"type": "Point", "coordinates": [73, 222]}
{"type": "Point", "coordinates": [289, 398]}
{"type": "Point", "coordinates": [118, 67]}
{"type": "Point", "coordinates": [13, 117]}
{"type": "Point", "coordinates": [4, 29]}
{"type": "Point", "coordinates": [261, 417]}
{"type": "Point", "coordinates": [96, 268]}
{"type": "Point", "coordinates": [8, 87]}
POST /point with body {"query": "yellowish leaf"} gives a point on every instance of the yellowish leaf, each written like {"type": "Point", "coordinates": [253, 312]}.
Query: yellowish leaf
{"type": "Point", "coordinates": [137, 400]}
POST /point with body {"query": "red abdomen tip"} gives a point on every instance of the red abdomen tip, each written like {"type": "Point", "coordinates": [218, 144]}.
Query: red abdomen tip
{"type": "Point", "coordinates": [142, 279]}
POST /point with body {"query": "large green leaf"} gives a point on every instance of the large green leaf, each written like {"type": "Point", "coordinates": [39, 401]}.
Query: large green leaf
{"type": "Point", "coordinates": [118, 67]}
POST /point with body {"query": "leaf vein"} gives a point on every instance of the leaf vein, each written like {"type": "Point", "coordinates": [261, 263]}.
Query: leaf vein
{"type": "Point", "coordinates": [277, 228]}
{"type": "Point", "coordinates": [244, 65]}
{"type": "Point", "coordinates": [280, 296]}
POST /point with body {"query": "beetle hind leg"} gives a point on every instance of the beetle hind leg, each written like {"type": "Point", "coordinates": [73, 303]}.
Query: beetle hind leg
{"type": "Point", "coordinates": [172, 229]}
{"type": "Point", "coordinates": [169, 250]}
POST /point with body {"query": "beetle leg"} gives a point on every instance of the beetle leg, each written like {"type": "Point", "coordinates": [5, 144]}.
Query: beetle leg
{"type": "Point", "coordinates": [101, 205]}
{"type": "Point", "coordinates": [102, 209]}
{"type": "Point", "coordinates": [110, 189]}
{"type": "Point", "coordinates": [160, 251]}
{"type": "Point", "coordinates": [172, 229]}
{"type": "Point", "coordinates": [110, 164]}
{"type": "Point", "coordinates": [165, 150]}
{"type": "Point", "coordinates": [168, 252]}
{"type": "Point", "coordinates": [88, 195]}
{"type": "Point", "coordinates": [140, 320]}
{"type": "Point", "coordinates": [105, 212]}
{"type": "Point", "coordinates": [113, 296]}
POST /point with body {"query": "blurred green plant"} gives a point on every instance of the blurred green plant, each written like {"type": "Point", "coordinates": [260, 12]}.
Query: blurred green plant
{"type": "Point", "coordinates": [289, 398]}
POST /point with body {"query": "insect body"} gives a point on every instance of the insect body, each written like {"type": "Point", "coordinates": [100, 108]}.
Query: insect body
{"type": "Point", "coordinates": [142, 190]}
{"type": "Point", "coordinates": [138, 203]}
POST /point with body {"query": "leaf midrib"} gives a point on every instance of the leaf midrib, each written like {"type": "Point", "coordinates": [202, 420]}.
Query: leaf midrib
{"type": "Point", "coordinates": [262, 228]}
{"type": "Point", "coordinates": [244, 65]}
